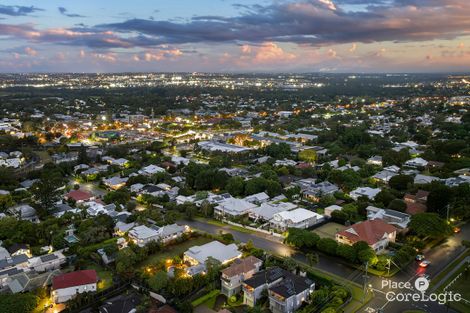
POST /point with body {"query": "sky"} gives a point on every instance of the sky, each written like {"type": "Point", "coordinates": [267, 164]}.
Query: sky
{"type": "Point", "coordinates": [235, 36]}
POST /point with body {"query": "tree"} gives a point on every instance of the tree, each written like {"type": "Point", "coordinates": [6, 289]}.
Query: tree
{"type": "Point", "coordinates": [327, 245]}
{"type": "Point", "coordinates": [308, 155]}
{"type": "Point", "coordinates": [18, 302]}
{"type": "Point", "coordinates": [158, 281]}
{"type": "Point", "coordinates": [301, 238]}
{"type": "Point", "coordinates": [400, 182]}
{"type": "Point", "coordinates": [367, 255]}
{"type": "Point", "coordinates": [278, 151]}
{"type": "Point", "coordinates": [235, 186]}
{"type": "Point", "coordinates": [82, 155]}
{"type": "Point", "coordinates": [397, 205]}
{"type": "Point", "coordinates": [429, 225]}
{"type": "Point", "coordinates": [384, 197]}
{"type": "Point", "coordinates": [312, 258]}
{"type": "Point", "coordinates": [125, 261]}
{"type": "Point", "coordinates": [439, 197]}
{"type": "Point", "coordinates": [347, 252]}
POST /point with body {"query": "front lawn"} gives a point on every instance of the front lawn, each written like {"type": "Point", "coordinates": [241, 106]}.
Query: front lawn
{"type": "Point", "coordinates": [207, 299]}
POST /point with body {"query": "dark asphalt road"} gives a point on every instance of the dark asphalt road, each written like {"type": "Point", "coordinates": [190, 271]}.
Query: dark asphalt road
{"type": "Point", "coordinates": [439, 256]}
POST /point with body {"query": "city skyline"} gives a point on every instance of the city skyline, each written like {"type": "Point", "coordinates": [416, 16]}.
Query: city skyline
{"type": "Point", "coordinates": [226, 36]}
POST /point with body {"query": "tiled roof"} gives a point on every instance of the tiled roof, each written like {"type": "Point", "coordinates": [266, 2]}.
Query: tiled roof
{"type": "Point", "coordinates": [370, 231]}
{"type": "Point", "coordinates": [241, 266]}
{"type": "Point", "coordinates": [73, 279]}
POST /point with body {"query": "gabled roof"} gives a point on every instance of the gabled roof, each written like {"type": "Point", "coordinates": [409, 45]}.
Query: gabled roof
{"type": "Point", "coordinates": [370, 231]}
{"type": "Point", "coordinates": [73, 279]}
{"type": "Point", "coordinates": [79, 195]}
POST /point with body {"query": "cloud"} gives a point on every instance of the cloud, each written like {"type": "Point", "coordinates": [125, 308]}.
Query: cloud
{"type": "Point", "coordinates": [30, 51]}
{"type": "Point", "coordinates": [315, 22]}
{"type": "Point", "coordinates": [18, 10]}
{"type": "Point", "coordinates": [64, 11]}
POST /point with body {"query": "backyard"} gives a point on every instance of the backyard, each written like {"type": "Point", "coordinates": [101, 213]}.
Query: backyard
{"type": "Point", "coordinates": [329, 230]}
{"type": "Point", "coordinates": [175, 250]}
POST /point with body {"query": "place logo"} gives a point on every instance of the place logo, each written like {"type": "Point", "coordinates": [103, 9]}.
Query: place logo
{"type": "Point", "coordinates": [406, 292]}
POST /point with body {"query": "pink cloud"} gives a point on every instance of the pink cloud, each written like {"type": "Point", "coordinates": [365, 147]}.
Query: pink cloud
{"type": "Point", "coordinates": [30, 51]}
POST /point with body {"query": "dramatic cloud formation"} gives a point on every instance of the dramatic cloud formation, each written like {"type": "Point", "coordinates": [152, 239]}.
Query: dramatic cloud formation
{"type": "Point", "coordinates": [276, 35]}
{"type": "Point", "coordinates": [17, 10]}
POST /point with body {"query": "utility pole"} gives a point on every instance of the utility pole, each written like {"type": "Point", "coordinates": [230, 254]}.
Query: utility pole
{"type": "Point", "coordinates": [365, 282]}
{"type": "Point", "coordinates": [389, 263]}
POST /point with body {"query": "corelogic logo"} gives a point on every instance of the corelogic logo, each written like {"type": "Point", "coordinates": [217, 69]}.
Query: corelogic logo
{"type": "Point", "coordinates": [417, 294]}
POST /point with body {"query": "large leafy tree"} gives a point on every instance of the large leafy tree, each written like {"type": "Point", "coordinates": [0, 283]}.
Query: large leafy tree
{"type": "Point", "coordinates": [429, 225]}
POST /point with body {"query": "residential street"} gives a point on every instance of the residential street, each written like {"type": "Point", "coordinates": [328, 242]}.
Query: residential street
{"type": "Point", "coordinates": [439, 256]}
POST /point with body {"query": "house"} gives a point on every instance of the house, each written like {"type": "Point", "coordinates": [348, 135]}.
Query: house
{"type": "Point", "coordinates": [290, 294]}
{"type": "Point", "coordinates": [115, 182]}
{"type": "Point", "coordinates": [79, 196]}
{"type": "Point", "coordinates": [384, 176]}
{"type": "Point", "coordinates": [197, 256]}
{"type": "Point", "coordinates": [316, 190]}
{"type": "Point", "coordinates": [330, 209]}
{"type": "Point", "coordinates": [232, 207]}
{"type": "Point", "coordinates": [151, 170]}
{"type": "Point", "coordinates": [214, 146]}
{"type": "Point", "coordinates": [142, 235]}
{"type": "Point", "coordinates": [24, 212]}
{"type": "Point", "coordinates": [253, 287]}
{"type": "Point", "coordinates": [286, 291]}
{"type": "Point", "coordinates": [375, 160]}
{"type": "Point", "coordinates": [47, 262]}
{"type": "Point", "coordinates": [240, 270]}
{"type": "Point", "coordinates": [19, 249]}
{"type": "Point", "coordinates": [368, 192]}
{"type": "Point", "coordinates": [298, 218]}
{"type": "Point", "coordinates": [66, 286]}
{"type": "Point", "coordinates": [266, 211]}
{"type": "Point", "coordinates": [257, 198]}
{"type": "Point", "coordinates": [376, 233]}
{"type": "Point", "coordinates": [425, 179]}
{"type": "Point", "coordinates": [416, 203]}
{"type": "Point", "coordinates": [416, 162]}
{"type": "Point", "coordinates": [391, 217]}
{"type": "Point", "coordinates": [457, 181]}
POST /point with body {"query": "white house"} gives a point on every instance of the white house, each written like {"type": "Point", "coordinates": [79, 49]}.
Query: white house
{"type": "Point", "coordinates": [47, 262]}
{"type": "Point", "coordinates": [66, 286]}
{"type": "Point", "coordinates": [151, 170]}
{"type": "Point", "coordinates": [232, 207]}
{"type": "Point", "coordinates": [425, 179]}
{"type": "Point", "coordinates": [416, 162]}
{"type": "Point", "coordinates": [142, 235]}
{"type": "Point", "coordinates": [298, 218]}
{"type": "Point", "coordinates": [330, 209]}
{"type": "Point", "coordinates": [368, 192]}
{"type": "Point", "coordinates": [214, 249]}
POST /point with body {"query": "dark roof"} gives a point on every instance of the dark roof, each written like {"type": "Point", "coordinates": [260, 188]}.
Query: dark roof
{"type": "Point", "coordinates": [11, 271]}
{"type": "Point", "coordinates": [120, 304]}
{"type": "Point", "coordinates": [151, 188]}
{"type": "Point", "coordinates": [17, 259]}
{"type": "Point", "coordinates": [17, 246]}
{"type": "Point", "coordinates": [396, 213]}
{"type": "Point", "coordinates": [48, 257]}
{"type": "Point", "coordinates": [292, 285]}
{"type": "Point", "coordinates": [267, 276]}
